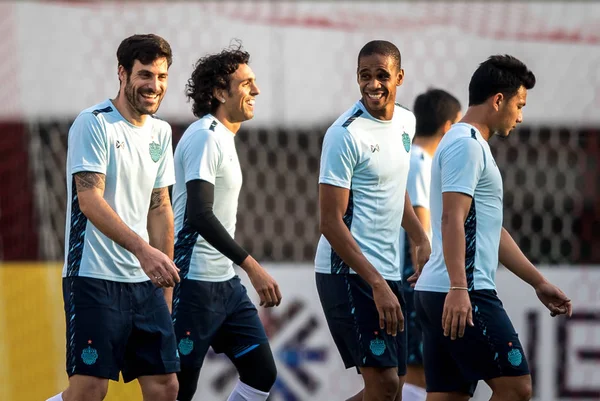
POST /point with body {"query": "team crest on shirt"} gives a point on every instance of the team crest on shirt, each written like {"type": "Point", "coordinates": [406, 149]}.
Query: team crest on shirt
{"type": "Point", "coordinates": [155, 151]}
{"type": "Point", "coordinates": [515, 357]}
{"type": "Point", "coordinates": [377, 346]}
{"type": "Point", "coordinates": [185, 346]}
{"type": "Point", "coordinates": [89, 355]}
{"type": "Point", "coordinates": [406, 141]}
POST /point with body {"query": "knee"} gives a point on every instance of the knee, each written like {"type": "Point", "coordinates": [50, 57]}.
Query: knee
{"type": "Point", "coordinates": [160, 388]}
{"type": "Point", "coordinates": [386, 388]}
{"type": "Point", "coordinates": [519, 391]}
{"type": "Point", "coordinates": [523, 391]}
{"type": "Point", "coordinates": [169, 388]}
{"type": "Point", "coordinates": [261, 379]}
{"type": "Point", "coordinates": [86, 388]}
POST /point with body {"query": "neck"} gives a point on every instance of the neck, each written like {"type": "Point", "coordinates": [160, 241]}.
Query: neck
{"type": "Point", "coordinates": [428, 143]}
{"type": "Point", "coordinates": [477, 117]}
{"type": "Point", "coordinates": [384, 114]}
{"type": "Point", "coordinates": [128, 113]}
{"type": "Point", "coordinates": [220, 115]}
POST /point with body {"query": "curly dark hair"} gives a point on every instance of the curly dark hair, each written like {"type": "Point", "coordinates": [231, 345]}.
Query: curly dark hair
{"type": "Point", "coordinates": [499, 74]}
{"type": "Point", "coordinates": [213, 72]}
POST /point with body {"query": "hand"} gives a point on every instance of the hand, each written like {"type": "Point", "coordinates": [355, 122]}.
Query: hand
{"type": "Point", "coordinates": [265, 285]}
{"type": "Point", "coordinates": [158, 266]}
{"type": "Point", "coordinates": [388, 307]}
{"type": "Point", "coordinates": [420, 254]}
{"type": "Point", "coordinates": [554, 299]}
{"type": "Point", "coordinates": [457, 313]}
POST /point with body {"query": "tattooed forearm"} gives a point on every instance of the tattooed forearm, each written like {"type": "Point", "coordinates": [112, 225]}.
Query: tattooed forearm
{"type": "Point", "coordinates": [158, 197]}
{"type": "Point", "coordinates": [86, 180]}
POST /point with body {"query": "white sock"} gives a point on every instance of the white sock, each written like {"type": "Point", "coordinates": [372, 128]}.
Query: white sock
{"type": "Point", "coordinates": [410, 392]}
{"type": "Point", "coordinates": [57, 397]}
{"type": "Point", "coordinates": [243, 392]}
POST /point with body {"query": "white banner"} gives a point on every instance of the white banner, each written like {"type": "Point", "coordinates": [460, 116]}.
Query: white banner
{"type": "Point", "coordinates": [60, 56]}
{"type": "Point", "coordinates": [564, 354]}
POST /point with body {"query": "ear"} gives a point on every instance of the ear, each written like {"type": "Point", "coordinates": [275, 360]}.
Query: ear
{"type": "Point", "coordinates": [122, 74]}
{"type": "Point", "coordinates": [446, 126]}
{"type": "Point", "coordinates": [219, 95]}
{"type": "Point", "coordinates": [400, 77]}
{"type": "Point", "coordinates": [497, 101]}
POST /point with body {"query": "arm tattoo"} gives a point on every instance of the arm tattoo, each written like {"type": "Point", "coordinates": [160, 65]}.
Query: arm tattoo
{"type": "Point", "coordinates": [158, 197]}
{"type": "Point", "coordinates": [87, 180]}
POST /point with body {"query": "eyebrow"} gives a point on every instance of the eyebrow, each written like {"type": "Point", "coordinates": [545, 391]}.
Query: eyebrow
{"type": "Point", "coordinates": [365, 69]}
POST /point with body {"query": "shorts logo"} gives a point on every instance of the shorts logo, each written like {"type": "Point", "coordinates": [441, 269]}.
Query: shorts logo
{"type": "Point", "coordinates": [186, 345]}
{"type": "Point", "coordinates": [515, 357]}
{"type": "Point", "coordinates": [377, 347]}
{"type": "Point", "coordinates": [406, 142]}
{"type": "Point", "coordinates": [155, 151]}
{"type": "Point", "coordinates": [89, 355]}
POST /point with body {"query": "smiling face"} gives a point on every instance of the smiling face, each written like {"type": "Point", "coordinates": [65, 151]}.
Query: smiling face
{"type": "Point", "coordinates": [509, 112]}
{"type": "Point", "coordinates": [239, 99]}
{"type": "Point", "coordinates": [145, 86]}
{"type": "Point", "coordinates": [378, 77]}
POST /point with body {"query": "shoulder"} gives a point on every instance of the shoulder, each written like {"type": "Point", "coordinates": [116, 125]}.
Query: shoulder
{"type": "Point", "coordinates": [93, 120]}
{"type": "Point", "coordinates": [347, 118]}
{"type": "Point", "coordinates": [160, 125]}
{"type": "Point", "coordinates": [404, 113]}
{"type": "Point", "coordinates": [344, 127]}
{"type": "Point", "coordinates": [97, 112]}
{"type": "Point", "coordinates": [461, 142]}
{"type": "Point", "coordinates": [201, 131]}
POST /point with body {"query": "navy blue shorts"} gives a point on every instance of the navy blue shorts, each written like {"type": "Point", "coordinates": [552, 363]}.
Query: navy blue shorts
{"type": "Point", "coordinates": [117, 327]}
{"type": "Point", "coordinates": [414, 334]}
{"type": "Point", "coordinates": [353, 321]}
{"type": "Point", "coordinates": [214, 314]}
{"type": "Point", "coordinates": [488, 350]}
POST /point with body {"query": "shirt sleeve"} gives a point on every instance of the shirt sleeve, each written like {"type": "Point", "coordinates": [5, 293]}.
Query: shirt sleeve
{"type": "Point", "coordinates": [462, 164]}
{"type": "Point", "coordinates": [417, 185]}
{"type": "Point", "coordinates": [202, 157]}
{"type": "Point", "coordinates": [339, 157]}
{"type": "Point", "coordinates": [166, 170]}
{"type": "Point", "coordinates": [87, 145]}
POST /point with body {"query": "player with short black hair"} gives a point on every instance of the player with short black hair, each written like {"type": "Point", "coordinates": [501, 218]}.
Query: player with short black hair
{"type": "Point", "coordinates": [467, 335]}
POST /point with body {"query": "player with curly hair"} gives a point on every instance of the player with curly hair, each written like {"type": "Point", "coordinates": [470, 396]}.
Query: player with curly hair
{"type": "Point", "coordinates": [210, 305]}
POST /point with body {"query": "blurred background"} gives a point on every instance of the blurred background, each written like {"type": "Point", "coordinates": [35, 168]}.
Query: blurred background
{"type": "Point", "coordinates": [58, 58]}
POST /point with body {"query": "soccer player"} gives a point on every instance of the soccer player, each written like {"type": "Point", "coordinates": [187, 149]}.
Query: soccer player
{"type": "Point", "coordinates": [435, 110]}
{"type": "Point", "coordinates": [363, 203]}
{"type": "Point", "coordinates": [211, 306]}
{"type": "Point", "coordinates": [119, 235]}
{"type": "Point", "coordinates": [467, 335]}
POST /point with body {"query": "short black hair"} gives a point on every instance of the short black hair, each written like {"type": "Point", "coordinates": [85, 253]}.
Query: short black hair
{"type": "Point", "coordinates": [382, 47]}
{"type": "Point", "coordinates": [213, 72]}
{"type": "Point", "coordinates": [432, 109]}
{"type": "Point", "coordinates": [145, 48]}
{"type": "Point", "coordinates": [499, 74]}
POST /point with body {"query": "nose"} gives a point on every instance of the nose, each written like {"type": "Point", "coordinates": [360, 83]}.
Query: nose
{"type": "Point", "coordinates": [520, 117]}
{"type": "Point", "coordinates": [255, 91]}
{"type": "Point", "coordinates": [154, 84]}
{"type": "Point", "coordinates": [374, 84]}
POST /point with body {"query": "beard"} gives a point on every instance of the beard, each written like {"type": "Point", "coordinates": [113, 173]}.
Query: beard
{"type": "Point", "coordinates": [134, 95]}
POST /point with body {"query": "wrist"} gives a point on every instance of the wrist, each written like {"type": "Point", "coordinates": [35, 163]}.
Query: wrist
{"type": "Point", "coordinates": [538, 282]}
{"type": "Point", "coordinates": [459, 284]}
{"type": "Point", "coordinates": [377, 282]}
{"type": "Point", "coordinates": [249, 265]}
{"type": "Point", "coordinates": [138, 247]}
